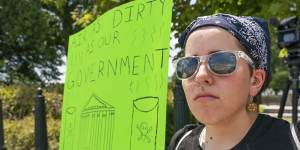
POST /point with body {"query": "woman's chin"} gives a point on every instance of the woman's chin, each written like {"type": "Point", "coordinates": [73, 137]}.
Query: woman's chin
{"type": "Point", "coordinates": [208, 119]}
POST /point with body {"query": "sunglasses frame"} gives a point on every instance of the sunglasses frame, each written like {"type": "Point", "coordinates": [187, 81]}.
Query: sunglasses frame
{"type": "Point", "coordinates": [201, 59]}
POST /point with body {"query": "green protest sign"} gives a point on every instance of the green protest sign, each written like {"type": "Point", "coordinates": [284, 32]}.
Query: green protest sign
{"type": "Point", "coordinates": [116, 83]}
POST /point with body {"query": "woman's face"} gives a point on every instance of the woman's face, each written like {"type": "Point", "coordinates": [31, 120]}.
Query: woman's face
{"type": "Point", "coordinates": [213, 99]}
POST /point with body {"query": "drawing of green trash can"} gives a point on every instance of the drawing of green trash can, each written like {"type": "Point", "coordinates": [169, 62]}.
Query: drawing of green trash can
{"type": "Point", "coordinates": [96, 125]}
{"type": "Point", "coordinates": [144, 123]}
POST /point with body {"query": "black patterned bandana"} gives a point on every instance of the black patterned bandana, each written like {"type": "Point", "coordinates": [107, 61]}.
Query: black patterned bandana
{"type": "Point", "coordinates": [251, 32]}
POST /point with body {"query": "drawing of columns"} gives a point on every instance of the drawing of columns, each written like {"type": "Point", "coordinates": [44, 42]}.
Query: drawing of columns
{"type": "Point", "coordinates": [144, 123]}
{"type": "Point", "coordinates": [69, 128]}
{"type": "Point", "coordinates": [96, 125]}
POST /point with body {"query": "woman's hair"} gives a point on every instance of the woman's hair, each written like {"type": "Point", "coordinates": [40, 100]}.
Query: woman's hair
{"type": "Point", "coordinates": [251, 32]}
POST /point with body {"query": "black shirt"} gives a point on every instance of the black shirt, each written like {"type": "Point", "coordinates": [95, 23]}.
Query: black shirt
{"type": "Point", "coordinates": [267, 133]}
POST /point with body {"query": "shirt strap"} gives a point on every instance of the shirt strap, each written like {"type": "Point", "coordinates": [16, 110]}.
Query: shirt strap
{"type": "Point", "coordinates": [294, 132]}
{"type": "Point", "coordinates": [184, 136]}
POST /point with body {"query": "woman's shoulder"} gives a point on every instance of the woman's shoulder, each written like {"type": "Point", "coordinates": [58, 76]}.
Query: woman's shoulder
{"type": "Point", "coordinates": [271, 124]}
{"type": "Point", "coordinates": [269, 133]}
{"type": "Point", "coordinates": [269, 119]}
{"type": "Point", "coordinates": [276, 121]}
{"type": "Point", "coordinates": [188, 132]}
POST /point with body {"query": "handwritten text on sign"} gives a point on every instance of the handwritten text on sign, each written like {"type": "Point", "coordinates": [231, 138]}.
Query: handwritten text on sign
{"type": "Point", "coordinates": [116, 81]}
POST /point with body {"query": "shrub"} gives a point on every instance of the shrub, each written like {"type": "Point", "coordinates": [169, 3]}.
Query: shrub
{"type": "Point", "coordinates": [17, 100]}
{"type": "Point", "coordinates": [53, 103]}
{"type": "Point", "coordinates": [18, 106]}
{"type": "Point", "coordinates": [19, 134]}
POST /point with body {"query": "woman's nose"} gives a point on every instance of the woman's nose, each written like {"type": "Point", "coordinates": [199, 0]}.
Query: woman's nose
{"type": "Point", "coordinates": [203, 75]}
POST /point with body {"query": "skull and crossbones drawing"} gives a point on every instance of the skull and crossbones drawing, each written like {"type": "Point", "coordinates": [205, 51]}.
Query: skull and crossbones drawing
{"type": "Point", "coordinates": [144, 129]}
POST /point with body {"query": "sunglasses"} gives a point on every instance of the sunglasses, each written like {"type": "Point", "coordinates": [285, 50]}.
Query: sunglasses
{"type": "Point", "coordinates": [221, 63]}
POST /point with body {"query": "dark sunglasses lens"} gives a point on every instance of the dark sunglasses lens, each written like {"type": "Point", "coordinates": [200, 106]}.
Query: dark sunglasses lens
{"type": "Point", "coordinates": [186, 67]}
{"type": "Point", "coordinates": [222, 63]}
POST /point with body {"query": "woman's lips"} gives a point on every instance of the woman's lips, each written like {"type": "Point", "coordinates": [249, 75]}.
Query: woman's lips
{"type": "Point", "coordinates": [203, 97]}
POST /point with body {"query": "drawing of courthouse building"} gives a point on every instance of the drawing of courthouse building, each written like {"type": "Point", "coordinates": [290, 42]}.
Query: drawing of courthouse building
{"type": "Point", "coordinates": [96, 125]}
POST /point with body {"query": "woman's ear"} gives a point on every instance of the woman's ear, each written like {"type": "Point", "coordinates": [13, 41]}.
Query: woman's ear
{"type": "Point", "coordinates": [257, 81]}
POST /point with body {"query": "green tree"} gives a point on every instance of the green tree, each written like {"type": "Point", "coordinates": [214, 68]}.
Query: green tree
{"type": "Point", "coordinates": [34, 35]}
{"type": "Point", "coordinates": [77, 14]}
{"type": "Point", "coordinates": [30, 42]}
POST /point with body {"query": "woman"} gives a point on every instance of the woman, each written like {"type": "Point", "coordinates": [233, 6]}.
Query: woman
{"type": "Point", "coordinates": [226, 64]}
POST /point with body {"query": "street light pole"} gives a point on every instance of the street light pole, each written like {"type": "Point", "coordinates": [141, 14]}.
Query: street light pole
{"type": "Point", "coordinates": [41, 142]}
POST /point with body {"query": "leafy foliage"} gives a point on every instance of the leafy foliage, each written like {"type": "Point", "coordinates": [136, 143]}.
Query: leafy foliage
{"type": "Point", "coordinates": [30, 42]}
{"type": "Point", "coordinates": [34, 35]}
{"type": "Point", "coordinates": [17, 101]}
{"type": "Point", "coordinates": [18, 106]}
{"type": "Point", "coordinates": [54, 104]}
{"type": "Point", "coordinates": [75, 15]}
{"type": "Point", "coordinates": [19, 134]}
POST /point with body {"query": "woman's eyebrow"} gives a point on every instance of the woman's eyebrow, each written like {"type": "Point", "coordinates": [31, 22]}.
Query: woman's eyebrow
{"type": "Point", "coordinates": [214, 51]}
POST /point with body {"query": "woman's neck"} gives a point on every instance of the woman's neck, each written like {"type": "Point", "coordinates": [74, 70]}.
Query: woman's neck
{"type": "Point", "coordinates": [228, 133]}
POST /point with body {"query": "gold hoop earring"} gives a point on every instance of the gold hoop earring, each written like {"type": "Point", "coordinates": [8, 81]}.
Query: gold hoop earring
{"type": "Point", "coordinates": [252, 106]}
